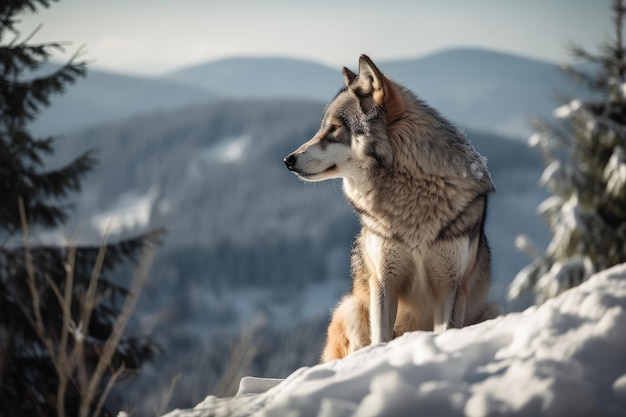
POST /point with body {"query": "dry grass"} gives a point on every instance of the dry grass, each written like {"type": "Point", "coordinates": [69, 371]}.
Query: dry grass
{"type": "Point", "coordinates": [240, 360]}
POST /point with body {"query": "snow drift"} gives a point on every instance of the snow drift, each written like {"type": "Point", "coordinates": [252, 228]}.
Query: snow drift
{"type": "Point", "coordinates": [566, 357]}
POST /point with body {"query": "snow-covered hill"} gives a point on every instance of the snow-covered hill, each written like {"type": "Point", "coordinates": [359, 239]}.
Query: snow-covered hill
{"type": "Point", "coordinates": [566, 357]}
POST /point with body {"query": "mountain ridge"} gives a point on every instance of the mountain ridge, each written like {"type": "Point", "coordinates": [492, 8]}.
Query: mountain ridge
{"type": "Point", "coordinates": [477, 88]}
{"type": "Point", "coordinates": [103, 96]}
{"type": "Point", "coordinates": [463, 50]}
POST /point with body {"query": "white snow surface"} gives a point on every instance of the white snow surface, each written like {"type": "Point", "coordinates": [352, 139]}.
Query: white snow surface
{"type": "Point", "coordinates": [615, 171]}
{"type": "Point", "coordinates": [566, 357]}
{"type": "Point", "coordinates": [130, 211]}
{"type": "Point", "coordinates": [227, 150]}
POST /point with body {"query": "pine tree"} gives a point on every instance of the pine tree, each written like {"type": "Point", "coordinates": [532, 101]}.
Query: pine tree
{"type": "Point", "coordinates": [61, 315]}
{"type": "Point", "coordinates": [586, 174]}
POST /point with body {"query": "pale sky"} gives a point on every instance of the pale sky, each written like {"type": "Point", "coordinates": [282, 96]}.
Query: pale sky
{"type": "Point", "coordinates": [153, 37]}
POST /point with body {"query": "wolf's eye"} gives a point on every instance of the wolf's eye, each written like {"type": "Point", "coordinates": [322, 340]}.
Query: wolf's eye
{"type": "Point", "coordinates": [334, 127]}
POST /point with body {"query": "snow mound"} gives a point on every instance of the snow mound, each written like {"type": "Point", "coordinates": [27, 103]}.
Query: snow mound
{"type": "Point", "coordinates": [566, 357]}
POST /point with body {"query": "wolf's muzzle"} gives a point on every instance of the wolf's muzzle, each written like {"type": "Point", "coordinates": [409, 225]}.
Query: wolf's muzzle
{"type": "Point", "coordinates": [290, 161]}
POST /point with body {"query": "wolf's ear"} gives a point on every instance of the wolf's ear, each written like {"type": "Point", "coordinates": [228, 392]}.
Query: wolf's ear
{"type": "Point", "coordinates": [374, 88]}
{"type": "Point", "coordinates": [348, 76]}
{"type": "Point", "coordinates": [370, 80]}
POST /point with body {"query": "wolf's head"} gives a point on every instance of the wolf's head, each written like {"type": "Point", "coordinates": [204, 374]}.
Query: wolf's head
{"type": "Point", "coordinates": [353, 134]}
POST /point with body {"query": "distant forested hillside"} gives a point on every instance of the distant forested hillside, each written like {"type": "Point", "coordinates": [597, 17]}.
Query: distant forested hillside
{"type": "Point", "coordinates": [216, 179]}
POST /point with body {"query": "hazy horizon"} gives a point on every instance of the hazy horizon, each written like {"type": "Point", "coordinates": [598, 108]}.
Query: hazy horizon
{"type": "Point", "coordinates": [154, 37]}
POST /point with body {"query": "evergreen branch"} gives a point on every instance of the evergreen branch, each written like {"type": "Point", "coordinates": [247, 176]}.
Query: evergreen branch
{"type": "Point", "coordinates": [618, 20]}
{"type": "Point", "coordinates": [13, 7]}
{"type": "Point", "coordinates": [23, 99]}
{"type": "Point", "coordinates": [32, 34]}
{"type": "Point", "coordinates": [17, 58]}
{"type": "Point", "coordinates": [18, 147]}
{"type": "Point", "coordinates": [46, 215]}
{"type": "Point", "coordinates": [593, 82]}
{"type": "Point", "coordinates": [553, 138]}
{"type": "Point", "coordinates": [581, 53]}
{"type": "Point", "coordinates": [59, 182]}
{"type": "Point", "coordinates": [10, 8]}
{"type": "Point", "coordinates": [41, 88]}
{"type": "Point", "coordinates": [37, 188]}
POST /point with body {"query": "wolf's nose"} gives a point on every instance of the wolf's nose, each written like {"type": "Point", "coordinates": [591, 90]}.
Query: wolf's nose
{"type": "Point", "coordinates": [290, 161]}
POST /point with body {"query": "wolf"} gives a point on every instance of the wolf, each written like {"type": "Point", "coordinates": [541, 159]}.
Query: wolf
{"type": "Point", "coordinates": [421, 260]}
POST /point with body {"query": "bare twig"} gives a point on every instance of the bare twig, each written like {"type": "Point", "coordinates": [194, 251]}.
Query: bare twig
{"type": "Point", "coordinates": [89, 301]}
{"type": "Point", "coordinates": [90, 296]}
{"type": "Point", "coordinates": [66, 306]}
{"type": "Point", "coordinates": [168, 396]}
{"type": "Point", "coordinates": [107, 389]}
{"type": "Point", "coordinates": [112, 342]}
{"type": "Point", "coordinates": [37, 323]}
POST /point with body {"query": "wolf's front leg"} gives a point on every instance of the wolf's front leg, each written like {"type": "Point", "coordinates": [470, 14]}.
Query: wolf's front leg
{"type": "Point", "coordinates": [450, 266]}
{"type": "Point", "coordinates": [451, 312]}
{"type": "Point", "coordinates": [383, 303]}
{"type": "Point", "coordinates": [383, 310]}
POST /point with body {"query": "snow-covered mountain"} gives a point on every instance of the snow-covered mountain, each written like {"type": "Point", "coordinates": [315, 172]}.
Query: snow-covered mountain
{"type": "Point", "coordinates": [563, 358]}
{"type": "Point", "coordinates": [479, 89]}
